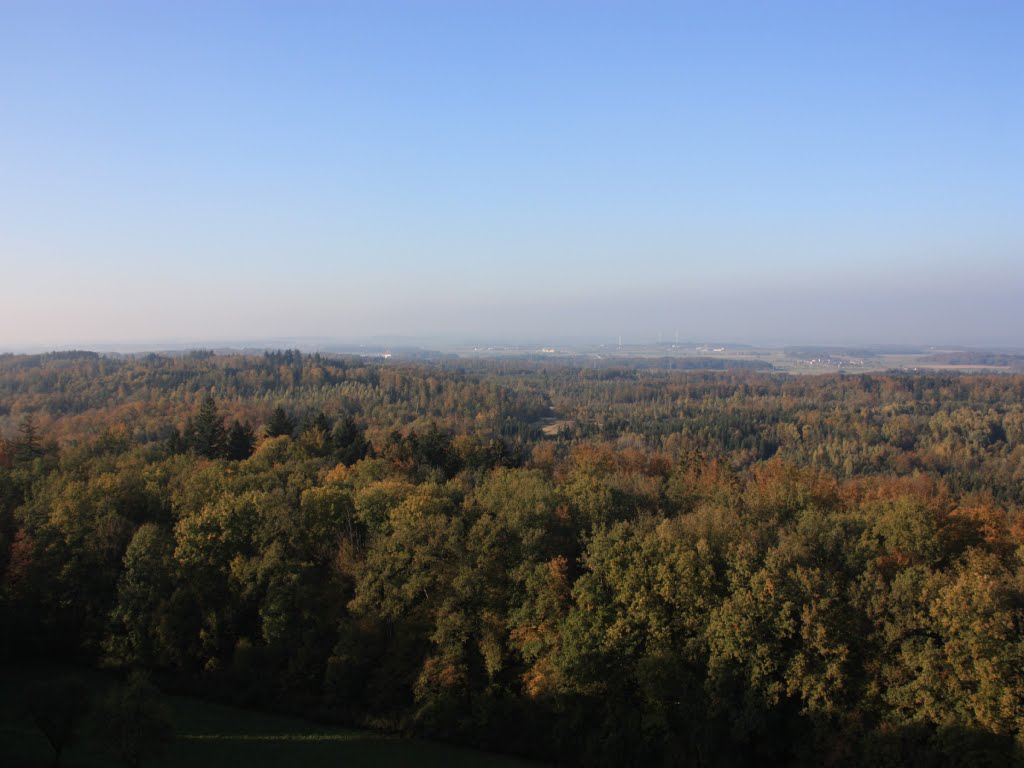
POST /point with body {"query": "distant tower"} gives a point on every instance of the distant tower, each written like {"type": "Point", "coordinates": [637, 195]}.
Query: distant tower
{"type": "Point", "coordinates": [659, 338]}
{"type": "Point", "coordinates": [620, 339]}
{"type": "Point", "coordinates": [677, 337]}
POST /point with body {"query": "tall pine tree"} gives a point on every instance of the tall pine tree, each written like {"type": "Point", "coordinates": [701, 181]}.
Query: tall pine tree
{"type": "Point", "coordinates": [240, 441]}
{"type": "Point", "coordinates": [205, 433]}
{"type": "Point", "coordinates": [280, 424]}
{"type": "Point", "coordinates": [27, 446]}
{"type": "Point", "coordinates": [350, 443]}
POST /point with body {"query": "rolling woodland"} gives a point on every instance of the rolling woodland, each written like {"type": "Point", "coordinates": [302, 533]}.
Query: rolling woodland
{"type": "Point", "coordinates": [588, 566]}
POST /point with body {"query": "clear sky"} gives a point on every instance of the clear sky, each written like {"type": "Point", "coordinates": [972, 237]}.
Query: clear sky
{"type": "Point", "coordinates": [761, 171]}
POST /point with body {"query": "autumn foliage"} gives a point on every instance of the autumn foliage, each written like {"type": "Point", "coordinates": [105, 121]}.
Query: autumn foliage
{"type": "Point", "coordinates": [709, 569]}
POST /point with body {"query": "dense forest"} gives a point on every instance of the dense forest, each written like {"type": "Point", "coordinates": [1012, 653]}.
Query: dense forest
{"type": "Point", "coordinates": [614, 566]}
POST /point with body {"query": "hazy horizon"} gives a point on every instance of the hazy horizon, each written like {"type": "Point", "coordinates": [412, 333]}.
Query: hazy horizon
{"type": "Point", "coordinates": [802, 173]}
{"type": "Point", "coordinates": [445, 343]}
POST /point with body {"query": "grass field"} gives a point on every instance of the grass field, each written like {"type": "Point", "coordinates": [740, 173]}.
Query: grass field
{"type": "Point", "coordinates": [209, 734]}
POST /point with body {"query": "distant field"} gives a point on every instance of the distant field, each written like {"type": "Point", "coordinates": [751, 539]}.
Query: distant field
{"type": "Point", "coordinates": [795, 360]}
{"type": "Point", "coordinates": [214, 735]}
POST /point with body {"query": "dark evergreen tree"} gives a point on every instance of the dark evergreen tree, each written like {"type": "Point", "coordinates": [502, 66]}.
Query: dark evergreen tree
{"type": "Point", "coordinates": [319, 422]}
{"type": "Point", "coordinates": [28, 445]}
{"type": "Point", "coordinates": [433, 449]}
{"type": "Point", "coordinates": [350, 443]}
{"type": "Point", "coordinates": [241, 441]}
{"type": "Point", "coordinates": [176, 443]}
{"type": "Point", "coordinates": [280, 423]}
{"type": "Point", "coordinates": [205, 433]}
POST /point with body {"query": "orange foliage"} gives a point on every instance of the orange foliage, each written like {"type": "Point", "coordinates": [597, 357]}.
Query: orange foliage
{"type": "Point", "coordinates": [539, 679]}
{"type": "Point", "coordinates": [979, 520]}
{"type": "Point", "coordinates": [544, 458]}
{"type": "Point", "coordinates": [889, 487]}
{"type": "Point", "coordinates": [337, 476]}
{"type": "Point", "coordinates": [442, 673]}
{"type": "Point", "coordinates": [776, 485]}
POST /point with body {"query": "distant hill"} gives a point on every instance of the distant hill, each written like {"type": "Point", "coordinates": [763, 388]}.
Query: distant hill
{"type": "Point", "coordinates": [976, 357]}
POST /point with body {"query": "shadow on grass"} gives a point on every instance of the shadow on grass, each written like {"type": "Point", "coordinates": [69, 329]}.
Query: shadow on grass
{"type": "Point", "coordinates": [258, 750]}
{"type": "Point", "coordinates": [208, 734]}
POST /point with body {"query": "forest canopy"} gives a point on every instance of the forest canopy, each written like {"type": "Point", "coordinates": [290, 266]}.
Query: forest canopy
{"type": "Point", "coordinates": [597, 567]}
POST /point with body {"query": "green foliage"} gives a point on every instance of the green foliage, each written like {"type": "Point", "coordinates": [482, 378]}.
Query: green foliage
{"type": "Point", "coordinates": [280, 424]}
{"type": "Point", "coordinates": [240, 441]}
{"type": "Point", "coordinates": [348, 441]}
{"type": "Point", "coordinates": [205, 434]}
{"type": "Point", "coordinates": [27, 446]}
{"type": "Point", "coordinates": [727, 569]}
{"type": "Point", "coordinates": [140, 630]}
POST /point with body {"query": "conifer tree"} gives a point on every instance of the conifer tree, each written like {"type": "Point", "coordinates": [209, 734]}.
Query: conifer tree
{"type": "Point", "coordinates": [207, 435]}
{"type": "Point", "coordinates": [280, 424]}
{"type": "Point", "coordinates": [27, 446]}
{"type": "Point", "coordinates": [240, 441]}
{"type": "Point", "coordinates": [316, 435]}
{"type": "Point", "coordinates": [349, 441]}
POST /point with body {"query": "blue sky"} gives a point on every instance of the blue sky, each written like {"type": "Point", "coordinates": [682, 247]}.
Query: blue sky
{"type": "Point", "coordinates": [759, 171]}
